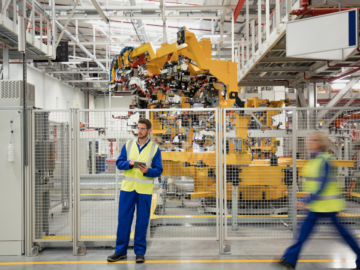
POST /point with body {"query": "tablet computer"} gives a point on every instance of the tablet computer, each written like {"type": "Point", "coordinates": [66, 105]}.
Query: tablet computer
{"type": "Point", "coordinates": [137, 163]}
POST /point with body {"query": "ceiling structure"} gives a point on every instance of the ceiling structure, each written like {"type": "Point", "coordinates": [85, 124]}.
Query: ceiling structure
{"type": "Point", "coordinates": [97, 30]}
{"type": "Point", "coordinates": [132, 23]}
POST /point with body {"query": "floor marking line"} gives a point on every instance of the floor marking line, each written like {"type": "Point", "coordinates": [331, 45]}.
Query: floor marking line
{"type": "Point", "coordinates": [164, 261]}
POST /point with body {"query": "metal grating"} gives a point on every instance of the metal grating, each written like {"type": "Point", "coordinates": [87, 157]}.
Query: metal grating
{"type": "Point", "coordinates": [52, 187]}
{"type": "Point", "coordinates": [10, 89]}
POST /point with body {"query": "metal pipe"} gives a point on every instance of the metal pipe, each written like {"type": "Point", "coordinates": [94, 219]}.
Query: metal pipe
{"type": "Point", "coordinates": [304, 10]}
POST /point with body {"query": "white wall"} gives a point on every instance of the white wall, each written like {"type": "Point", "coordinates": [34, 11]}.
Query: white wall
{"type": "Point", "coordinates": [116, 102]}
{"type": "Point", "coordinates": [50, 93]}
{"type": "Point", "coordinates": [91, 102]}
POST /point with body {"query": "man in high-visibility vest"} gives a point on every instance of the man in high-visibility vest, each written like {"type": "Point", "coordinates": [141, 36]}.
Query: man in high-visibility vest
{"type": "Point", "coordinates": [325, 200]}
{"type": "Point", "coordinates": [136, 189]}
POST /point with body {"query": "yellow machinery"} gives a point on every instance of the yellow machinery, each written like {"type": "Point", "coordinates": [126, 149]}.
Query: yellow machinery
{"type": "Point", "coordinates": [186, 71]}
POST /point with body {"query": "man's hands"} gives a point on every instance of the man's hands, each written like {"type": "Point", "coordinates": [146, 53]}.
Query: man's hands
{"type": "Point", "coordinates": [143, 168]}
{"type": "Point", "coordinates": [301, 205]}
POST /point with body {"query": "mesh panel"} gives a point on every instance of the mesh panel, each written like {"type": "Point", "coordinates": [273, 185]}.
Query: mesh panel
{"type": "Point", "coordinates": [52, 171]}
{"type": "Point", "coordinates": [258, 173]}
{"type": "Point", "coordinates": [341, 129]}
{"type": "Point", "coordinates": [260, 186]}
{"type": "Point", "coordinates": [183, 201]}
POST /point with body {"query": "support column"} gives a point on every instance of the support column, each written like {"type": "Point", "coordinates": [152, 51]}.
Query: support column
{"type": "Point", "coordinates": [312, 100]}
{"type": "Point", "coordinates": [6, 72]}
{"type": "Point", "coordinates": [301, 119]}
{"type": "Point", "coordinates": [346, 154]}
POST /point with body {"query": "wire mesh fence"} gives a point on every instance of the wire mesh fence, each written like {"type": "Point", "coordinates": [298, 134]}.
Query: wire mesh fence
{"type": "Point", "coordinates": [183, 195]}
{"type": "Point", "coordinates": [102, 136]}
{"type": "Point", "coordinates": [341, 129]}
{"type": "Point", "coordinates": [258, 173]}
{"type": "Point", "coordinates": [261, 148]}
{"type": "Point", "coordinates": [186, 205]}
{"type": "Point", "coordinates": [52, 189]}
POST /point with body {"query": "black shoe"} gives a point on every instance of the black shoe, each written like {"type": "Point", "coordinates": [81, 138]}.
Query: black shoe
{"type": "Point", "coordinates": [140, 258]}
{"type": "Point", "coordinates": [115, 257]}
{"type": "Point", "coordinates": [285, 265]}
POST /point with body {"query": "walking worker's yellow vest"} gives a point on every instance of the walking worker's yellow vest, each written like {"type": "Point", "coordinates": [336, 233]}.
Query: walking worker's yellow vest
{"type": "Point", "coordinates": [134, 179]}
{"type": "Point", "coordinates": [329, 200]}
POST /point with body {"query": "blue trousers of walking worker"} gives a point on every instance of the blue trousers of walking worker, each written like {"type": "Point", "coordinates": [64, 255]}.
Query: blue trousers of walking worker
{"type": "Point", "coordinates": [292, 253]}
{"type": "Point", "coordinates": [127, 203]}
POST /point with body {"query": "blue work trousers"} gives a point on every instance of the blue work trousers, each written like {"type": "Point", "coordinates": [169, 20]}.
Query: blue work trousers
{"type": "Point", "coordinates": [127, 203]}
{"type": "Point", "coordinates": [292, 253]}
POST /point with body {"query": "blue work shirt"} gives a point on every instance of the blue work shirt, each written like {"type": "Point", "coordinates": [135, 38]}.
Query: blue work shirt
{"type": "Point", "coordinates": [156, 165]}
{"type": "Point", "coordinates": [323, 179]}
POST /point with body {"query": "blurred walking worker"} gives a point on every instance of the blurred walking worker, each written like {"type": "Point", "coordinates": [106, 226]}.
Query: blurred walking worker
{"type": "Point", "coordinates": [325, 200]}
{"type": "Point", "coordinates": [136, 189]}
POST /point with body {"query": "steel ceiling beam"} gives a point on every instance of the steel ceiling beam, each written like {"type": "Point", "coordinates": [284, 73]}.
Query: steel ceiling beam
{"type": "Point", "coordinates": [163, 15]}
{"type": "Point", "coordinates": [279, 69]}
{"type": "Point", "coordinates": [194, 16]}
{"type": "Point", "coordinates": [279, 47]}
{"type": "Point", "coordinates": [85, 81]}
{"type": "Point", "coordinates": [140, 24]}
{"type": "Point", "coordinates": [5, 7]}
{"type": "Point", "coordinates": [277, 77]}
{"type": "Point", "coordinates": [99, 10]}
{"type": "Point", "coordinates": [66, 24]}
{"type": "Point", "coordinates": [287, 59]}
{"type": "Point", "coordinates": [261, 83]}
{"type": "Point", "coordinates": [335, 100]}
{"type": "Point", "coordinates": [341, 111]}
{"type": "Point", "coordinates": [149, 9]}
{"type": "Point", "coordinates": [222, 19]}
{"type": "Point", "coordinates": [74, 72]}
{"type": "Point", "coordinates": [301, 98]}
{"type": "Point", "coordinates": [238, 8]}
{"type": "Point", "coordinates": [82, 47]}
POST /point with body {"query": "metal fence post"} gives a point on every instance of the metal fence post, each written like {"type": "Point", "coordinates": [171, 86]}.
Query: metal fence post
{"type": "Point", "coordinates": [294, 185]}
{"type": "Point", "coordinates": [74, 127]}
{"type": "Point", "coordinates": [224, 248]}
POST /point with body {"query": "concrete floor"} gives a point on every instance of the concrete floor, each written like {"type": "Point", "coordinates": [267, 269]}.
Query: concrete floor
{"type": "Point", "coordinates": [99, 218]}
{"type": "Point", "coordinates": [174, 255]}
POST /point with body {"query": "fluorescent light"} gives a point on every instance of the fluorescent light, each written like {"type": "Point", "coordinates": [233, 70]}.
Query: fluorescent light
{"type": "Point", "coordinates": [72, 62]}
{"type": "Point", "coordinates": [341, 81]}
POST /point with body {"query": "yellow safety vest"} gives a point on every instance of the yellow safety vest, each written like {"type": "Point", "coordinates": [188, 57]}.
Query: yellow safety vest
{"type": "Point", "coordinates": [329, 200]}
{"type": "Point", "coordinates": [134, 179]}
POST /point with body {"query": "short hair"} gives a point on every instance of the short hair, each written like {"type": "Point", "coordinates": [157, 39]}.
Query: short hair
{"type": "Point", "coordinates": [323, 140]}
{"type": "Point", "coordinates": [146, 122]}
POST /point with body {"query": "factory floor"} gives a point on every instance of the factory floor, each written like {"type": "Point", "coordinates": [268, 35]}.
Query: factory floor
{"type": "Point", "coordinates": [174, 255]}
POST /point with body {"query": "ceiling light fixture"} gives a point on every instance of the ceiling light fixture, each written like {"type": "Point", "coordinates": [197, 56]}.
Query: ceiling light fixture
{"type": "Point", "coordinates": [72, 62]}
